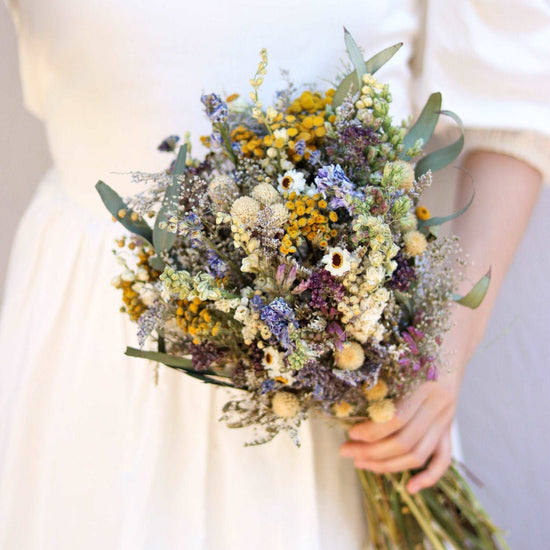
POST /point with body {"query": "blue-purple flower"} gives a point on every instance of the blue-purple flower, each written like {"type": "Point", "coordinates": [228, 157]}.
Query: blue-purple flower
{"type": "Point", "coordinates": [278, 315]}
{"type": "Point", "coordinates": [332, 180]}
{"type": "Point", "coordinates": [216, 265]}
{"type": "Point", "coordinates": [169, 144]}
{"type": "Point", "coordinates": [215, 107]}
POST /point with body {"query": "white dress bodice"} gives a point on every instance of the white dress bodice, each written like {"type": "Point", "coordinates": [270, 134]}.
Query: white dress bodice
{"type": "Point", "coordinates": [112, 79]}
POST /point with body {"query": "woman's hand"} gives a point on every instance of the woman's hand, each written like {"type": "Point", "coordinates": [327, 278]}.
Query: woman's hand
{"type": "Point", "coordinates": [420, 429]}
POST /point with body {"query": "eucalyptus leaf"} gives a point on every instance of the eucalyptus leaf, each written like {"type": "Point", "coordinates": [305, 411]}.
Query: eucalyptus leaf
{"type": "Point", "coordinates": [114, 203]}
{"type": "Point", "coordinates": [474, 298]}
{"type": "Point", "coordinates": [424, 126]}
{"type": "Point", "coordinates": [179, 363]}
{"type": "Point", "coordinates": [442, 157]}
{"type": "Point", "coordinates": [377, 61]}
{"type": "Point", "coordinates": [181, 159]}
{"type": "Point", "coordinates": [207, 379]}
{"type": "Point", "coordinates": [160, 357]}
{"type": "Point", "coordinates": [349, 82]}
{"type": "Point", "coordinates": [157, 263]}
{"type": "Point", "coordinates": [438, 220]}
{"type": "Point", "coordinates": [163, 240]}
{"type": "Point", "coordinates": [356, 56]}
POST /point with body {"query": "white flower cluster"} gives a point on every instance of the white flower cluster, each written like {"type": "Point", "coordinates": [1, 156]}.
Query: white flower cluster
{"type": "Point", "coordinates": [252, 324]}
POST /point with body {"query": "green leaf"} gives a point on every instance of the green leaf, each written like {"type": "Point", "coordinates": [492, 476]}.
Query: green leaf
{"type": "Point", "coordinates": [442, 157]}
{"type": "Point", "coordinates": [181, 159]}
{"type": "Point", "coordinates": [157, 263]}
{"type": "Point", "coordinates": [356, 56]}
{"type": "Point", "coordinates": [381, 58]}
{"type": "Point", "coordinates": [163, 240]}
{"type": "Point", "coordinates": [349, 82]}
{"type": "Point", "coordinates": [424, 126]}
{"type": "Point", "coordinates": [114, 203]}
{"type": "Point", "coordinates": [179, 363]}
{"type": "Point", "coordinates": [160, 357]}
{"type": "Point", "coordinates": [438, 220]}
{"type": "Point", "coordinates": [476, 295]}
{"type": "Point", "coordinates": [207, 379]}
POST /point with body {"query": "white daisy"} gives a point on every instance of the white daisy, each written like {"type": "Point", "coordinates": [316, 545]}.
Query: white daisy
{"type": "Point", "coordinates": [337, 261]}
{"type": "Point", "coordinates": [292, 180]}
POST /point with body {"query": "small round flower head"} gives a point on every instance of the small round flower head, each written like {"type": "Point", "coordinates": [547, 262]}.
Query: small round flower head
{"type": "Point", "coordinates": [291, 181]}
{"type": "Point", "coordinates": [415, 243]}
{"type": "Point", "coordinates": [266, 194]}
{"type": "Point", "coordinates": [222, 190]}
{"type": "Point", "coordinates": [381, 411]}
{"type": "Point", "coordinates": [422, 213]}
{"type": "Point", "coordinates": [351, 357]}
{"type": "Point", "coordinates": [342, 409]}
{"type": "Point", "coordinates": [337, 261]}
{"type": "Point", "coordinates": [377, 392]}
{"type": "Point", "coordinates": [285, 404]}
{"type": "Point", "coordinates": [409, 222]}
{"type": "Point", "coordinates": [280, 213]}
{"type": "Point", "coordinates": [407, 174]}
{"type": "Point", "coordinates": [245, 209]}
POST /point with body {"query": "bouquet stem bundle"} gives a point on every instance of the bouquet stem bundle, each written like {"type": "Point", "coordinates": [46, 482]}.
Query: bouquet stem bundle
{"type": "Point", "coordinates": [445, 516]}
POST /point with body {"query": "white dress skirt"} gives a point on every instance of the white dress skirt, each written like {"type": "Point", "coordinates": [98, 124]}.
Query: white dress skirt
{"type": "Point", "coordinates": [93, 454]}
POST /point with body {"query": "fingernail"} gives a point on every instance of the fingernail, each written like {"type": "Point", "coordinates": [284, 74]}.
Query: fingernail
{"type": "Point", "coordinates": [346, 452]}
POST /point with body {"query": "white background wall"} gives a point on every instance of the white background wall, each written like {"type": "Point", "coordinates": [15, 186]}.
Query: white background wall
{"type": "Point", "coordinates": [505, 404]}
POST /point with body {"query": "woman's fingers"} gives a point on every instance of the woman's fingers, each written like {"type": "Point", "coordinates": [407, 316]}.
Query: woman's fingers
{"type": "Point", "coordinates": [415, 458]}
{"type": "Point", "coordinates": [407, 438]}
{"type": "Point", "coordinates": [370, 431]}
{"type": "Point", "coordinates": [437, 466]}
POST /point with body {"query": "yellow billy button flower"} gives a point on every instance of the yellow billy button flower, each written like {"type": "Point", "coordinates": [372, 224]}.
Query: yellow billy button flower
{"type": "Point", "coordinates": [422, 213]}
{"type": "Point", "coordinates": [351, 357]}
{"type": "Point", "coordinates": [381, 411]}
{"type": "Point", "coordinates": [285, 404]}
{"type": "Point", "coordinates": [377, 392]}
{"type": "Point", "coordinates": [415, 243]}
{"type": "Point", "coordinates": [342, 409]}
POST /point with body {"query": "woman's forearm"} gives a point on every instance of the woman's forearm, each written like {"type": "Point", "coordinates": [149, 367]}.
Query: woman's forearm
{"type": "Point", "coordinates": [490, 232]}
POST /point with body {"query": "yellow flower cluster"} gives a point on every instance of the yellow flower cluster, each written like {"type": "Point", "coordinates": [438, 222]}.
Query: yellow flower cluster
{"type": "Point", "coordinates": [304, 120]}
{"type": "Point", "coordinates": [251, 144]}
{"type": "Point", "coordinates": [308, 219]}
{"type": "Point", "coordinates": [194, 318]}
{"type": "Point", "coordinates": [133, 304]}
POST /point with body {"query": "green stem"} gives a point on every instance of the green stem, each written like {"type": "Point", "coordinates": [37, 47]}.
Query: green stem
{"type": "Point", "coordinates": [423, 522]}
{"type": "Point", "coordinates": [227, 143]}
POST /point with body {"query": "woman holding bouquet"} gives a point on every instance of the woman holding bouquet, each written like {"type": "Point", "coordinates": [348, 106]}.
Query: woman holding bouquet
{"type": "Point", "coordinates": [94, 455]}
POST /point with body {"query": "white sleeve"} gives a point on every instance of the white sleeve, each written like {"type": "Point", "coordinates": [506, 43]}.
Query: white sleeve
{"type": "Point", "coordinates": [32, 72]}
{"type": "Point", "coordinates": [490, 59]}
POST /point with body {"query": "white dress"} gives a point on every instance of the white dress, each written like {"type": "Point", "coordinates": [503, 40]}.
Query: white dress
{"type": "Point", "coordinates": [93, 454]}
